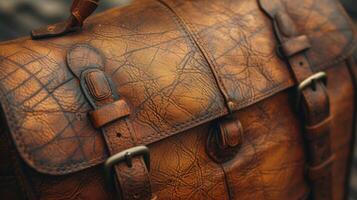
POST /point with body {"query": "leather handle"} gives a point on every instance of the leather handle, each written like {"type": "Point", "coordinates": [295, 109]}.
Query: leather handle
{"type": "Point", "coordinates": [80, 11]}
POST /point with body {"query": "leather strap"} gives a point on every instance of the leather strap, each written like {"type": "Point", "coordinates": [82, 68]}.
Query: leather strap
{"type": "Point", "coordinates": [352, 65]}
{"type": "Point", "coordinates": [315, 107]}
{"type": "Point", "coordinates": [314, 104]}
{"type": "Point", "coordinates": [80, 10]}
{"type": "Point", "coordinates": [110, 115]}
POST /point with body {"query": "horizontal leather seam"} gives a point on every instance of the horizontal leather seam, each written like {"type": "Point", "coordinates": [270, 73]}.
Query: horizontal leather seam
{"type": "Point", "coordinates": [60, 170]}
{"type": "Point", "coordinates": [189, 30]}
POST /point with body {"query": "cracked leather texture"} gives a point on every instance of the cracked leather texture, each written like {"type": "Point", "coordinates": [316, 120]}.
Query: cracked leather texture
{"type": "Point", "coordinates": [240, 43]}
{"type": "Point", "coordinates": [151, 61]}
{"type": "Point", "coordinates": [171, 90]}
{"type": "Point", "coordinates": [268, 166]}
{"type": "Point", "coordinates": [174, 62]}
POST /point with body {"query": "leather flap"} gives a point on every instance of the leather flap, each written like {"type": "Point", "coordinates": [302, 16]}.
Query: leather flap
{"type": "Point", "coordinates": [171, 67]}
{"type": "Point", "coordinates": [325, 24]}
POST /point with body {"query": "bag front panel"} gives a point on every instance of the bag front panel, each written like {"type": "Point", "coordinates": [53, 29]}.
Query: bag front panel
{"type": "Point", "coordinates": [177, 70]}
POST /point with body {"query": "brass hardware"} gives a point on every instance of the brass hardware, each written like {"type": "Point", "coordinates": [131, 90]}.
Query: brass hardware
{"type": "Point", "coordinates": [126, 156]}
{"type": "Point", "coordinates": [231, 105]}
{"type": "Point", "coordinates": [311, 80]}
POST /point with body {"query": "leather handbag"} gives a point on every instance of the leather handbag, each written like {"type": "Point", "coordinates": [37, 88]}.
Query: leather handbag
{"type": "Point", "coordinates": [181, 99]}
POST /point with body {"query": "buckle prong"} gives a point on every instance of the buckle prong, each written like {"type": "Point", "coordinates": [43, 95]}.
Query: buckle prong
{"type": "Point", "coordinates": [129, 159]}
{"type": "Point", "coordinates": [125, 156]}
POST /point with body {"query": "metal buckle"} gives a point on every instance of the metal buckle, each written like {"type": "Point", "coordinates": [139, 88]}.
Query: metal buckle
{"type": "Point", "coordinates": [320, 76]}
{"type": "Point", "coordinates": [126, 156]}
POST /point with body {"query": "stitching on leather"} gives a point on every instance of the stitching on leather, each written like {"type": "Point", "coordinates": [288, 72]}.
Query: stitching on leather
{"type": "Point", "coordinates": [197, 43]}
{"type": "Point", "coordinates": [20, 180]}
{"type": "Point", "coordinates": [85, 164]}
{"type": "Point", "coordinates": [215, 114]}
{"type": "Point", "coordinates": [27, 156]}
{"type": "Point", "coordinates": [181, 127]}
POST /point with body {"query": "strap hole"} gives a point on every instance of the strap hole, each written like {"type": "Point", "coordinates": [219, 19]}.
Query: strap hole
{"type": "Point", "coordinates": [136, 196]}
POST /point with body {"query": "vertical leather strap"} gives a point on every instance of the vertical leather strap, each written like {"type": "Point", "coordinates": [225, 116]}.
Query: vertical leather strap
{"type": "Point", "coordinates": [110, 115]}
{"type": "Point", "coordinates": [313, 100]}
{"type": "Point", "coordinates": [314, 105]}
{"type": "Point", "coordinates": [352, 65]}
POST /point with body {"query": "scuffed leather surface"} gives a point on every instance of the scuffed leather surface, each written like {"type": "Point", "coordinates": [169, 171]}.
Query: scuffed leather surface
{"type": "Point", "coordinates": [239, 39]}
{"type": "Point", "coordinates": [325, 24]}
{"type": "Point", "coordinates": [342, 102]}
{"type": "Point", "coordinates": [87, 184]}
{"type": "Point", "coordinates": [152, 62]}
{"type": "Point", "coordinates": [271, 161]}
{"type": "Point", "coordinates": [269, 165]}
{"type": "Point", "coordinates": [154, 57]}
{"type": "Point", "coordinates": [181, 168]}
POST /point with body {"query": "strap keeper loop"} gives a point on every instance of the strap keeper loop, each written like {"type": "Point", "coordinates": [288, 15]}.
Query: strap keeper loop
{"type": "Point", "coordinates": [318, 171]}
{"type": "Point", "coordinates": [295, 45]}
{"type": "Point", "coordinates": [318, 130]}
{"type": "Point", "coordinates": [109, 113]}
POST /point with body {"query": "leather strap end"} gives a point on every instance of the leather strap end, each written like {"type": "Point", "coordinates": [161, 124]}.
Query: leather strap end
{"type": "Point", "coordinates": [54, 30]}
{"type": "Point", "coordinates": [80, 10]}
{"type": "Point", "coordinates": [231, 132]}
{"type": "Point", "coordinates": [109, 113]}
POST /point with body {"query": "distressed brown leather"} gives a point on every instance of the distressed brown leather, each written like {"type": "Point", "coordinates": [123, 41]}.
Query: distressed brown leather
{"type": "Point", "coordinates": [180, 70]}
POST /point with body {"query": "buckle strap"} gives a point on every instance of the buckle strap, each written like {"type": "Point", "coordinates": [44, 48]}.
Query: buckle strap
{"type": "Point", "coordinates": [129, 169]}
{"type": "Point", "coordinates": [309, 82]}
{"type": "Point", "coordinates": [110, 115]}
{"type": "Point", "coordinates": [312, 98]}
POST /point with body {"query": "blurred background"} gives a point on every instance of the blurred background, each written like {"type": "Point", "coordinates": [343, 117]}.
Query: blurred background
{"type": "Point", "coordinates": [19, 17]}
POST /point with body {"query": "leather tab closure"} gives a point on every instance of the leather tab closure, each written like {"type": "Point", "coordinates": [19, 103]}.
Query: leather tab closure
{"type": "Point", "coordinates": [82, 57]}
{"type": "Point", "coordinates": [98, 85]}
{"type": "Point", "coordinates": [230, 134]}
{"type": "Point", "coordinates": [291, 42]}
{"type": "Point", "coordinates": [285, 24]}
{"type": "Point", "coordinates": [109, 113]}
{"type": "Point", "coordinates": [225, 139]}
